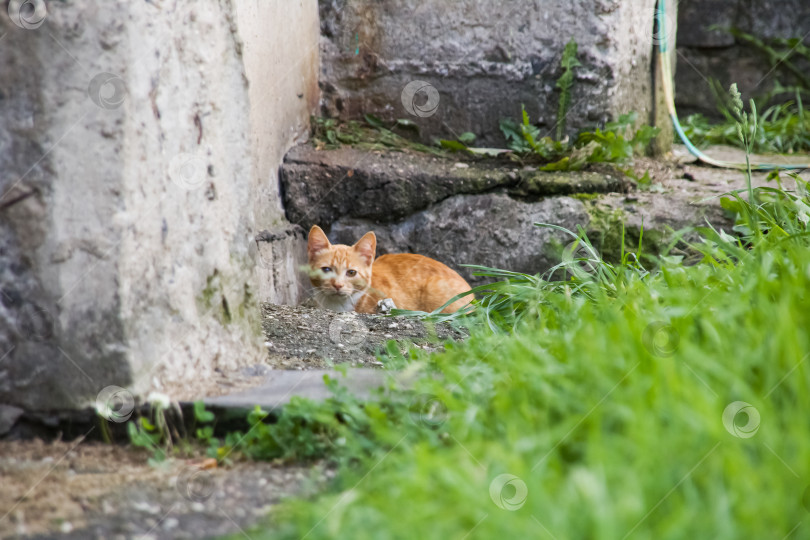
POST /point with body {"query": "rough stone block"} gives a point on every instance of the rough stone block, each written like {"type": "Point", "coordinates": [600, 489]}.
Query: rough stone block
{"type": "Point", "coordinates": [707, 53]}
{"type": "Point", "coordinates": [452, 67]}
{"type": "Point", "coordinates": [697, 17]}
{"type": "Point", "coordinates": [484, 212]}
{"type": "Point", "coordinates": [320, 187]}
{"type": "Point", "coordinates": [456, 212]}
{"type": "Point", "coordinates": [770, 19]}
{"type": "Point", "coordinates": [729, 65]}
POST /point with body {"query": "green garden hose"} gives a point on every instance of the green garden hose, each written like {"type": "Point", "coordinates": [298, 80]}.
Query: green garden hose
{"type": "Point", "coordinates": [669, 97]}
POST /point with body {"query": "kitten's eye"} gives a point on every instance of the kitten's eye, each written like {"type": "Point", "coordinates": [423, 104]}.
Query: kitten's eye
{"type": "Point", "coordinates": [351, 273]}
{"type": "Point", "coordinates": [326, 269]}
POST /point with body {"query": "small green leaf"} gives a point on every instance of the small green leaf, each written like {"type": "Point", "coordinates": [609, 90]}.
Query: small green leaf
{"type": "Point", "coordinates": [200, 414]}
{"type": "Point", "coordinates": [407, 124]}
{"type": "Point", "coordinates": [456, 146]}
{"type": "Point", "coordinates": [645, 180]}
{"type": "Point", "coordinates": [146, 424]}
{"type": "Point", "coordinates": [488, 152]}
{"type": "Point", "coordinates": [205, 433]}
{"type": "Point", "coordinates": [561, 165]}
{"type": "Point", "coordinates": [374, 121]}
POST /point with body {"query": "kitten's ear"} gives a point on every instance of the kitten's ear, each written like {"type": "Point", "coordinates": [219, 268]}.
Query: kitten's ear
{"type": "Point", "coordinates": [366, 247]}
{"type": "Point", "coordinates": [317, 241]}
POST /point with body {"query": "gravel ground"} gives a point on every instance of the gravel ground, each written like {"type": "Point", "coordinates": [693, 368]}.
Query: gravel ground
{"type": "Point", "coordinates": [97, 491]}
{"type": "Point", "coordinates": [300, 337]}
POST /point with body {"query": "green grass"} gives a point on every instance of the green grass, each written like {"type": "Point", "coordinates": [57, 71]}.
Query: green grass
{"type": "Point", "coordinates": [609, 409]}
{"type": "Point", "coordinates": [607, 391]}
{"type": "Point", "coordinates": [606, 400]}
{"type": "Point", "coordinates": [784, 129]}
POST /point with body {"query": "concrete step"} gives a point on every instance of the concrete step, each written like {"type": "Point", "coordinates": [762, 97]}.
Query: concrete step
{"type": "Point", "coordinates": [279, 386]}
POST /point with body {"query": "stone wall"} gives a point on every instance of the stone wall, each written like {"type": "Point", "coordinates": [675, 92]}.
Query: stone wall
{"type": "Point", "coordinates": [705, 53]}
{"type": "Point", "coordinates": [140, 219]}
{"type": "Point", "coordinates": [452, 67]}
{"type": "Point", "coordinates": [474, 212]}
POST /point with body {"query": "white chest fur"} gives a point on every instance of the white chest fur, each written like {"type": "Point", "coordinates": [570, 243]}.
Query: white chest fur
{"type": "Point", "coordinates": [335, 302]}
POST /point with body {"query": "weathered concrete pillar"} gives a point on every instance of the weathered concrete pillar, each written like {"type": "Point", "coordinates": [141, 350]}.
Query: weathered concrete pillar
{"type": "Point", "coordinates": [485, 58]}
{"type": "Point", "coordinates": [139, 148]}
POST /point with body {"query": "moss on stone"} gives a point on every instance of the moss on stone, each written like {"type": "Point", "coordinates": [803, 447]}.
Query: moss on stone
{"type": "Point", "coordinates": [541, 183]}
{"type": "Point", "coordinates": [206, 297]}
{"type": "Point", "coordinates": [606, 227]}
{"type": "Point", "coordinates": [585, 197]}
{"type": "Point", "coordinates": [231, 305]}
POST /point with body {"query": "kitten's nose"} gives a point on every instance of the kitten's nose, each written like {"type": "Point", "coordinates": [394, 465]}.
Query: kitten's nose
{"type": "Point", "coordinates": [337, 286]}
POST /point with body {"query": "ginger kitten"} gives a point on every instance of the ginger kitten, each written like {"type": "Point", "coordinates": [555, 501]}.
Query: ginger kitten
{"type": "Point", "coordinates": [348, 278]}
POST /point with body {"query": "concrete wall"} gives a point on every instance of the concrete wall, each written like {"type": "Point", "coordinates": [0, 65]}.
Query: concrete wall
{"type": "Point", "coordinates": [705, 53]}
{"type": "Point", "coordinates": [139, 148]}
{"type": "Point", "coordinates": [485, 58]}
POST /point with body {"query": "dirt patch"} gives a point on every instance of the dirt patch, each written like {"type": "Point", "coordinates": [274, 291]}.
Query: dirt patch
{"type": "Point", "coordinates": [300, 337]}
{"type": "Point", "coordinates": [92, 490]}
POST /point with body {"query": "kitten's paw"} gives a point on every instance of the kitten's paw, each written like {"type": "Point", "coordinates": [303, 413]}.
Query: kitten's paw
{"type": "Point", "coordinates": [385, 306]}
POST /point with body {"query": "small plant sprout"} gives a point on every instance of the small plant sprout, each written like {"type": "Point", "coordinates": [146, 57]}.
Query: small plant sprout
{"type": "Point", "coordinates": [565, 83]}
{"type": "Point", "coordinates": [746, 130]}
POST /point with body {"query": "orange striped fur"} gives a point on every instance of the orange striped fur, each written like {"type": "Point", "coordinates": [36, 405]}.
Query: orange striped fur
{"type": "Point", "coordinates": [348, 278]}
